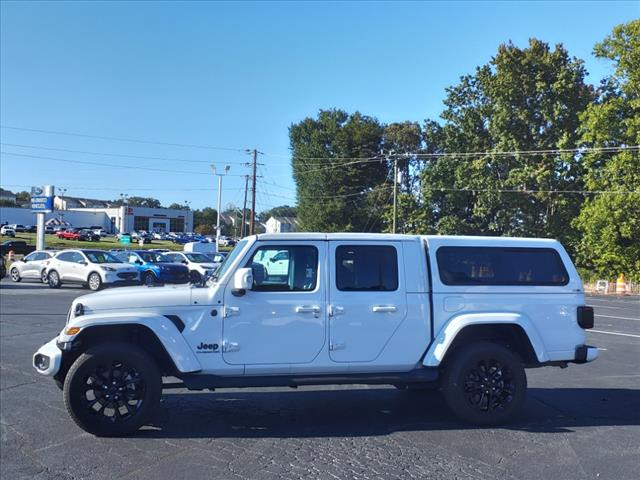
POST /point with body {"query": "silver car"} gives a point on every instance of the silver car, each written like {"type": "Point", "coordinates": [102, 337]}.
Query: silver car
{"type": "Point", "coordinates": [31, 267]}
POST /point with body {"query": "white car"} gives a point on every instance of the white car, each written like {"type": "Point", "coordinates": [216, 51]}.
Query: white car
{"type": "Point", "coordinates": [8, 231]}
{"type": "Point", "coordinates": [32, 266]}
{"type": "Point", "coordinates": [200, 265]}
{"type": "Point", "coordinates": [465, 314]}
{"type": "Point", "coordinates": [92, 268]}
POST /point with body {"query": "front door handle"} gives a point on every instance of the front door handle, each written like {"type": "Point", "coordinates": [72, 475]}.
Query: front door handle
{"type": "Point", "coordinates": [384, 308]}
{"type": "Point", "coordinates": [228, 311]}
{"type": "Point", "coordinates": [307, 309]}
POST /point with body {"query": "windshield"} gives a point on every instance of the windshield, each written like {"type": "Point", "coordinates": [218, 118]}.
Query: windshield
{"type": "Point", "coordinates": [198, 257]}
{"type": "Point", "coordinates": [101, 257]}
{"type": "Point", "coordinates": [154, 257]}
{"type": "Point", "coordinates": [228, 260]}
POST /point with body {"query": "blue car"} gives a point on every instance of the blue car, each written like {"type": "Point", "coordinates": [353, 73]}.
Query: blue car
{"type": "Point", "coordinates": [155, 267]}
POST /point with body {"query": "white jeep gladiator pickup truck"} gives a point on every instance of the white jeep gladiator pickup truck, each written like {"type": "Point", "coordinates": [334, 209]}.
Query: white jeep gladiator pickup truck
{"type": "Point", "coordinates": [466, 314]}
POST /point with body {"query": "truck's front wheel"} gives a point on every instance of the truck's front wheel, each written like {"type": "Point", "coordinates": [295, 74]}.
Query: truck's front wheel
{"type": "Point", "coordinates": [484, 383]}
{"type": "Point", "coordinates": [112, 389]}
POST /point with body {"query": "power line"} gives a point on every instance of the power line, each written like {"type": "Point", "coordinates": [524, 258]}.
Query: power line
{"type": "Point", "coordinates": [121, 139]}
{"type": "Point", "coordinates": [101, 164]}
{"type": "Point", "coordinates": [555, 151]}
{"type": "Point", "coordinates": [132, 189]}
{"type": "Point", "coordinates": [120, 155]}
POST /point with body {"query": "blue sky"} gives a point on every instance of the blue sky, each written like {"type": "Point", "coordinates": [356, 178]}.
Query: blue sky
{"type": "Point", "coordinates": [237, 75]}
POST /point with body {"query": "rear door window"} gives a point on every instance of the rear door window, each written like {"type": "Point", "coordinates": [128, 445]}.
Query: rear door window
{"type": "Point", "coordinates": [366, 268]}
{"type": "Point", "coordinates": [65, 257]}
{"type": "Point", "coordinates": [501, 266]}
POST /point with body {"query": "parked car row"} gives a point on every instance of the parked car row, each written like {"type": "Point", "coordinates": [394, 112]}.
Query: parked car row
{"type": "Point", "coordinates": [84, 234]}
{"type": "Point", "coordinates": [96, 269]}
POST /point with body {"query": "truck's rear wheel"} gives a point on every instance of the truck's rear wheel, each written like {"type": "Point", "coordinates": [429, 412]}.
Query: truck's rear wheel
{"type": "Point", "coordinates": [484, 383]}
{"type": "Point", "coordinates": [112, 389]}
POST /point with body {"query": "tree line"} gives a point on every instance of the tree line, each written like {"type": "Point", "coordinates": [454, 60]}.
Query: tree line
{"type": "Point", "coordinates": [457, 175]}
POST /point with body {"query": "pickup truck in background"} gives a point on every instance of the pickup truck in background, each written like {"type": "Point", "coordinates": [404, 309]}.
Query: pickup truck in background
{"type": "Point", "coordinates": [467, 315]}
{"type": "Point", "coordinates": [18, 247]}
{"type": "Point", "coordinates": [69, 234]}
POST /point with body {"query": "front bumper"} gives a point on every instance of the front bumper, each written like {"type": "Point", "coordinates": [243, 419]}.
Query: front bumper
{"type": "Point", "coordinates": [585, 354]}
{"type": "Point", "coordinates": [48, 358]}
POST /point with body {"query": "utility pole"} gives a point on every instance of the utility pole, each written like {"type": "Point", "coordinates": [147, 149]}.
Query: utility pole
{"type": "Point", "coordinates": [253, 192]}
{"type": "Point", "coordinates": [244, 207]}
{"type": "Point", "coordinates": [395, 191]}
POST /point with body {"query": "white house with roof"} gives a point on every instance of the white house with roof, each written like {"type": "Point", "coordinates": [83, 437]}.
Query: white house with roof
{"type": "Point", "coordinates": [281, 225]}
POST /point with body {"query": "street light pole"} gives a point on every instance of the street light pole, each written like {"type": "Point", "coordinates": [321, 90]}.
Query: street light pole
{"type": "Point", "coordinates": [226, 170]}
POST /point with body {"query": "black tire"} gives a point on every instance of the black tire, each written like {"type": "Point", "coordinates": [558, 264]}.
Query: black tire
{"type": "Point", "coordinates": [15, 275]}
{"type": "Point", "coordinates": [112, 389]}
{"type": "Point", "coordinates": [484, 383]}
{"type": "Point", "coordinates": [94, 282]}
{"type": "Point", "coordinates": [148, 278]}
{"type": "Point", "coordinates": [53, 279]}
{"type": "Point", "coordinates": [44, 278]}
{"type": "Point", "coordinates": [195, 277]}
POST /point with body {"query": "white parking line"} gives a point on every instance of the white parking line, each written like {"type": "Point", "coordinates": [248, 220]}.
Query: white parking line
{"type": "Point", "coordinates": [615, 333]}
{"type": "Point", "coordinates": [614, 301]}
{"type": "Point", "coordinates": [621, 318]}
{"type": "Point", "coordinates": [607, 306]}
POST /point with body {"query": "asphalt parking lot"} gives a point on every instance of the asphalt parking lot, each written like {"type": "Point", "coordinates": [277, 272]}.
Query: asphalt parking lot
{"type": "Point", "coordinates": [581, 422]}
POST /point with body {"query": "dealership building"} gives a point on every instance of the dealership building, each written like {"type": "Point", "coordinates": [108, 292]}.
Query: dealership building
{"type": "Point", "coordinates": [83, 212]}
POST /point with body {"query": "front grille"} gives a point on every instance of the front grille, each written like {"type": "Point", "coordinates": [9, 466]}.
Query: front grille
{"type": "Point", "coordinates": [127, 275]}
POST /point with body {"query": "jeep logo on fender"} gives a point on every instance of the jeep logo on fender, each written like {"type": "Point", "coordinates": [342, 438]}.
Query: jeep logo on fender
{"type": "Point", "coordinates": [207, 347]}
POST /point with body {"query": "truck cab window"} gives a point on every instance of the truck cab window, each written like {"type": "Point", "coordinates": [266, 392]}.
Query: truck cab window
{"type": "Point", "coordinates": [366, 268]}
{"type": "Point", "coordinates": [284, 269]}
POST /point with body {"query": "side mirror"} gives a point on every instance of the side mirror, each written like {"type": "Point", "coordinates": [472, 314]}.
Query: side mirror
{"type": "Point", "coordinates": [242, 281]}
{"type": "Point", "coordinates": [139, 262]}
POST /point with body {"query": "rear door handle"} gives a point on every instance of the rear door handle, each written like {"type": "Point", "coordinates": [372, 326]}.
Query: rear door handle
{"type": "Point", "coordinates": [384, 308]}
{"type": "Point", "coordinates": [307, 309]}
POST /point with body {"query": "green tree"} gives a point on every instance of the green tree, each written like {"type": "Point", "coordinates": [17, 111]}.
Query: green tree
{"type": "Point", "coordinates": [178, 206]}
{"type": "Point", "coordinates": [523, 99]}
{"type": "Point", "coordinates": [205, 220]}
{"type": "Point", "coordinates": [336, 167]}
{"type": "Point", "coordinates": [23, 197]}
{"type": "Point", "coordinates": [137, 202]}
{"type": "Point", "coordinates": [280, 211]}
{"type": "Point", "coordinates": [609, 224]}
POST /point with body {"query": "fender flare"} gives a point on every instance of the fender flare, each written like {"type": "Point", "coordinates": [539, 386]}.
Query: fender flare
{"type": "Point", "coordinates": [441, 343]}
{"type": "Point", "coordinates": [163, 328]}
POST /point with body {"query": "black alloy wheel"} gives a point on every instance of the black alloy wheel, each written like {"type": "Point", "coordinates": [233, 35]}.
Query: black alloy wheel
{"type": "Point", "coordinates": [484, 383]}
{"type": "Point", "coordinates": [112, 389]}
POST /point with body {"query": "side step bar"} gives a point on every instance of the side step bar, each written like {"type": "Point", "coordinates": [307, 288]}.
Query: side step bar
{"type": "Point", "coordinates": [201, 381]}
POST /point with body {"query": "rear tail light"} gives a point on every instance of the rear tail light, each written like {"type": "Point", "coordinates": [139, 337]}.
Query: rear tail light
{"type": "Point", "coordinates": [585, 317]}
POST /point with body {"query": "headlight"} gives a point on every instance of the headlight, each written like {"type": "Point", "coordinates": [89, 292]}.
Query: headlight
{"type": "Point", "coordinates": [108, 269]}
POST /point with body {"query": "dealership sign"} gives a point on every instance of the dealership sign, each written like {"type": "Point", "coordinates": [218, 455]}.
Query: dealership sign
{"type": "Point", "coordinates": [42, 199]}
